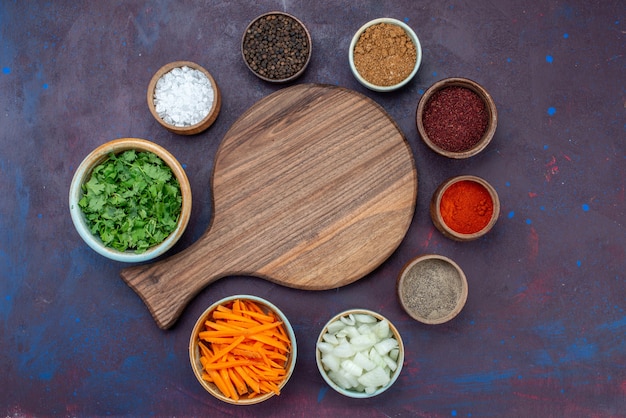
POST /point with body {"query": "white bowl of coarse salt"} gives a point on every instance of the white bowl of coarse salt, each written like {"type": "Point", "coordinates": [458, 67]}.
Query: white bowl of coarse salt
{"type": "Point", "coordinates": [184, 98]}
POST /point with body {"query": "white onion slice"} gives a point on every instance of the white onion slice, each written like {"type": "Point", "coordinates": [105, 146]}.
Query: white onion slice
{"type": "Point", "coordinates": [359, 352]}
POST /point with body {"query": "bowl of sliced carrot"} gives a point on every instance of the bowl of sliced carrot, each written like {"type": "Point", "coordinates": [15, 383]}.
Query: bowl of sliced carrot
{"type": "Point", "coordinates": [243, 350]}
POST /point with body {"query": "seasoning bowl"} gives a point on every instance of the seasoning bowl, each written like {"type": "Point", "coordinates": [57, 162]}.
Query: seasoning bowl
{"type": "Point", "coordinates": [432, 289]}
{"type": "Point", "coordinates": [465, 106]}
{"type": "Point", "coordinates": [286, 57]}
{"type": "Point", "coordinates": [196, 88]}
{"type": "Point", "coordinates": [82, 176]}
{"type": "Point", "coordinates": [196, 353]}
{"type": "Point", "coordinates": [375, 72]}
{"type": "Point", "coordinates": [464, 208]}
{"type": "Point", "coordinates": [378, 365]}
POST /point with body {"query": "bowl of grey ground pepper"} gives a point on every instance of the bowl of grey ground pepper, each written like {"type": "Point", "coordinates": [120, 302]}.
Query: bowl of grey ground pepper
{"type": "Point", "coordinates": [432, 289]}
{"type": "Point", "coordinates": [276, 47]}
{"type": "Point", "coordinates": [385, 54]}
{"type": "Point", "coordinates": [456, 117]}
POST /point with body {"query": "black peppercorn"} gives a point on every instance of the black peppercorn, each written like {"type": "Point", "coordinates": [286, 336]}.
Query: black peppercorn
{"type": "Point", "coordinates": [278, 43]}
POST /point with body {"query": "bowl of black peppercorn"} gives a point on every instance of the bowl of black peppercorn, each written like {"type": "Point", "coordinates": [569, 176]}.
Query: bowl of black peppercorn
{"type": "Point", "coordinates": [276, 47]}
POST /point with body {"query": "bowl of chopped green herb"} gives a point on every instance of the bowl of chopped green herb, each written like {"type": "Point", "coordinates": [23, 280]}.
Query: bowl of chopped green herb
{"type": "Point", "coordinates": [130, 200]}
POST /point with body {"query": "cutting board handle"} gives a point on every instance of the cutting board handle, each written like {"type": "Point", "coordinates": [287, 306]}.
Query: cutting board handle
{"type": "Point", "coordinates": [167, 286]}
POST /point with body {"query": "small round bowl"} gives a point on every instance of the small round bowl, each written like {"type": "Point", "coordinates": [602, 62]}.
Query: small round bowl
{"type": "Point", "coordinates": [432, 289]}
{"type": "Point", "coordinates": [196, 128]}
{"type": "Point", "coordinates": [411, 34]}
{"type": "Point", "coordinates": [480, 188]}
{"type": "Point", "coordinates": [83, 174]}
{"type": "Point", "coordinates": [457, 150]}
{"type": "Point", "coordinates": [195, 354]}
{"type": "Point", "coordinates": [325, 370]}
{"type": "Point", "coordinates": [249, 48]}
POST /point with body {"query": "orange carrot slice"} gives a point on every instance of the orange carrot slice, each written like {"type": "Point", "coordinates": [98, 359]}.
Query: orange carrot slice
{"type": "Point", "coordinates": [244, 350]}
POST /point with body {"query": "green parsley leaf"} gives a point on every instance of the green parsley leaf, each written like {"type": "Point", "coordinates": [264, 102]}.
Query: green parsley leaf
{"type": "Point", "coordinates": [132, 201]}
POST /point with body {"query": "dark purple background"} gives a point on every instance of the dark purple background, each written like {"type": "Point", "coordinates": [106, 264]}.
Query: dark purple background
{"type": "Point", "coordinates": [543, 331]}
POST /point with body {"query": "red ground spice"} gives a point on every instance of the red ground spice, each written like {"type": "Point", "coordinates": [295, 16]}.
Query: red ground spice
{"type": "Point", "coordinates": [466, 207]}
{"type": "Point", "coordinates": [455, 118]}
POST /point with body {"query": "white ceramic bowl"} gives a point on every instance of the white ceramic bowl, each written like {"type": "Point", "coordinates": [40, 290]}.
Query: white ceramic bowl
{"type": "Point", "coordinates": [354, 393]}
{"type": "Point", "coordinates": [82, 175]}
{"type": "Point", "coordinates": [194, 349]}
{"type": "Point", "coordinates": [410, 33]}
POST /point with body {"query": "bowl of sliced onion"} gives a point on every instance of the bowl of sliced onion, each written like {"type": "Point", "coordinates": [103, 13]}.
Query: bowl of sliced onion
{"type": "Point", "coordinates": [359, 353]}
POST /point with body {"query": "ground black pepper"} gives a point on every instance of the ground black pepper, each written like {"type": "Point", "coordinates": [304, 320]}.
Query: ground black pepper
{"type": "Point", "coordinates": [431, 289]}
{"type": "Point", "coordinates": [455, 118]}
{"type": "Point", "coordinates": [276, 46]}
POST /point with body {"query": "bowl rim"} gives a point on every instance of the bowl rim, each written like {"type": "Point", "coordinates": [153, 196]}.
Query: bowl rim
{"type": "Point", "coordinates": [410, 32]}
{"type": "Point", "coordinates": [194, 351]}
{"type": "Point", "coordinates": [482, 93]}
{"type": "Point", "coordinates": [435, 207]}
{"type": "Point", "coordinates": [351, 393]}
{"type": "Point", "coordinates": [308, 58]}
{"type": "Point", "coordinates": [207, 121]}
{"type": "Point", "coordinates": [83, 173]}
{"type": "Point", "coordinates": [460, 302]}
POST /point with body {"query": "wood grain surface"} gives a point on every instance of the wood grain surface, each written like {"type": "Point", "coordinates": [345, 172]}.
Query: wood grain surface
{"type": "Point", "coordinates": [313, 188]}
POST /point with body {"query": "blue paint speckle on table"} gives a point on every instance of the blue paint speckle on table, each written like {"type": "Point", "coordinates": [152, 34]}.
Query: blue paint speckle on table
{"type": "Point", "coordinates": [6, 70]}
{"type": "Point", "coordinates": [551, 111]}
{"type": "Point", "coordinates": [580, 350]}
{"type": "Point", "coordinates": [511, 214]}
{"type": "Point", "coordinates": [615, 327]}
{"type": "Point", "coordinates": [528, 221]}
{"type": "Point", "coordinates": [549, 59]}
{"type": "Point", "coordinates": [578, 263]}
{"type": "Point", "coordinates": [585, 207]}
{"type": "Point", "coordinates": [321, 394]}
{"type": "Point", "coordinates": [565, 35]}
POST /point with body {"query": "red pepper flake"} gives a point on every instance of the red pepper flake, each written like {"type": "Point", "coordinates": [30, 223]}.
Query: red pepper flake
{"type": "Point", "coordinates": [455, 118]}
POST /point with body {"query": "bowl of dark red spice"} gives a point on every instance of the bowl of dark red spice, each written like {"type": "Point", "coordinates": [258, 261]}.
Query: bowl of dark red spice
{"type": "Point", "coordinates": [456, 117]}
{"type": "Point", "coordinates": [276, 47]}
{"type": "Point", "coordinates": [432, 289]}
{"type": "Point", "coordinates": [385, 54]}
{"type": "Point", "coordinates": [184, 98]}
{"type": "Point", "coordinates": [465, 208]}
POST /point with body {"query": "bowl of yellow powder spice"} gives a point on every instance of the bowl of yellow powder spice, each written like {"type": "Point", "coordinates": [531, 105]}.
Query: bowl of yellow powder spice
{"type": "Point", "coordinates": [385, 54]}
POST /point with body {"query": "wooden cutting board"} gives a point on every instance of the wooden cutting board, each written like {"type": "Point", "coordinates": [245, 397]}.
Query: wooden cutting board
{"type": "Point", "coordinates": [313, 188]}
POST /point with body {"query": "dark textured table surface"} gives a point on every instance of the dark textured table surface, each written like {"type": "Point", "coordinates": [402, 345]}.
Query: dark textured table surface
{"type": "Point", "coordinates": [543, 330]}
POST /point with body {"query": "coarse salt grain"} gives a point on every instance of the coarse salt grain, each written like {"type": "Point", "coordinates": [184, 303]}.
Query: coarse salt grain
{"type": "Point", "coordinates": [183, 96]}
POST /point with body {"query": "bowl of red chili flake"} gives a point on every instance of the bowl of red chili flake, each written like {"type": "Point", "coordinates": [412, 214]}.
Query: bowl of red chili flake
{"type": "Point", "coordinates": [456, 117]}
{"type": "Point", "coordinates": [465, 208]}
